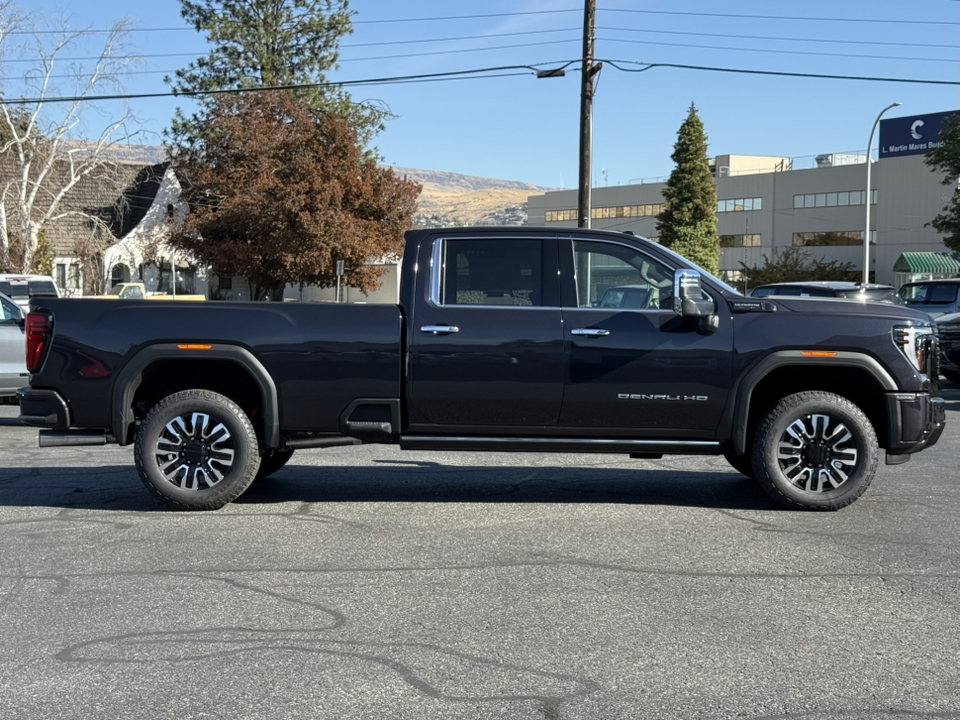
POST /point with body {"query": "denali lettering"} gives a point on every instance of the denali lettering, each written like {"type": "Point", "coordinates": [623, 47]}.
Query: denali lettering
{"type": "Point", "coordinates": [671, 398]}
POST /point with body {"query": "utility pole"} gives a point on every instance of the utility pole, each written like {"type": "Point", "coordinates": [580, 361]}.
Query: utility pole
{"type": "Point", "coordinates": [589, 70]}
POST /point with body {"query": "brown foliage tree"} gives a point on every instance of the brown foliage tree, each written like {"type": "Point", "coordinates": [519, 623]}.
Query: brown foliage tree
{"type": "Point", "coordinates": [280, 192]}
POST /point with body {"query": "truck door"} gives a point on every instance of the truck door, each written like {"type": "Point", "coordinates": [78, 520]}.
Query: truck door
{"type": "Point", "coordinates": [631, 361]}
{"type": "Point", "coordinates": [486, 342]}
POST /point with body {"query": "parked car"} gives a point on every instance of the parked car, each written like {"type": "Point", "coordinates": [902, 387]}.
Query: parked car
{"type": "Point", "coordinates": [20, 288]}
{"type": "Point", "coordinates": [497, 343]}
{"type": "Point", "coordinates": [829, 289]}
{"type": "Point", "coordinates": [13, 348]}
{"type": "Point", "coordinates": [934, 297]}
{"type": "Point", "coordinates": [948, 328]}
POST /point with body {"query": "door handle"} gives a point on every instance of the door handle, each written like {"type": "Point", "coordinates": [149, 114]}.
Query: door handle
{"type": "Point", "coordinates": [440, 329]}
{"type": "Point", "coordinates": [590, 332]}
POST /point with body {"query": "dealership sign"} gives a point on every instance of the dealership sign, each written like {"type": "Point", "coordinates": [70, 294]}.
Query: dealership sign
{"type": "Point", "coordinates": [914, 135]}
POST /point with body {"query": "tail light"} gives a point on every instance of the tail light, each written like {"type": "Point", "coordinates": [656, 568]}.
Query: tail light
{"type": "Point", "coordinates": [39, 329]}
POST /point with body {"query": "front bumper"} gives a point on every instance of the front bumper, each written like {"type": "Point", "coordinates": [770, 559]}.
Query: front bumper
{"type": "Point", "coordinates": [43, 408]}
{"type": "Point", "coordinates": [915, 421]}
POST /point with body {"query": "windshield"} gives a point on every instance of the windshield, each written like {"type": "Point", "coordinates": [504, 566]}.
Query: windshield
{"type": "Point", "coordinates": [699, 269]}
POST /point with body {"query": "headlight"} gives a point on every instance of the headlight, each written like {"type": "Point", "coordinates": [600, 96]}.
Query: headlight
{"type": "Point", "coordinates": [919, 344]}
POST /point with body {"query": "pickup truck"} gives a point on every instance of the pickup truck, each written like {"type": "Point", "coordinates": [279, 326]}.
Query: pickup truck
{"type": "Point", "coordinates": [500, 342]}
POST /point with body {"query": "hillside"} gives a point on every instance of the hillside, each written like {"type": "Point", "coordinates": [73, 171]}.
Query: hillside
{"type": "Point", "coordinates": [450, 199]}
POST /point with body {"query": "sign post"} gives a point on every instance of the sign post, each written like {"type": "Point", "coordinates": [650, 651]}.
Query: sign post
{"type": "Point", "coordinates": [339, 275]}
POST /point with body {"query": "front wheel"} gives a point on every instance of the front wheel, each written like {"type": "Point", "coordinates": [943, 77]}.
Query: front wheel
{"type": "Point", "coordinates": [815, 451]}
{"type": "Point", "coordinates": [196, 450]}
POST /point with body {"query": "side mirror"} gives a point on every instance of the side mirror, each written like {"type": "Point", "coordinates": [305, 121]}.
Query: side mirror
{"type": "Point", "coordinates": [689, 301]}
{"type": "Point", "coordinates": [688, 297]}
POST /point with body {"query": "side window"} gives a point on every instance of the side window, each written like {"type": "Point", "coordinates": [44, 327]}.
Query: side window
{"type": "Point", "coordinates": [11, 313]}
{"type": "Point", "coordinates": [616, 276]}
{"type": "Point", "coordinates": [499, 272]}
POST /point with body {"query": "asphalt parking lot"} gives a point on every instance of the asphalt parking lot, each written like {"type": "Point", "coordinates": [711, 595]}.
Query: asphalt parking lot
{"type": "Point", "coordinates": [368, 583]}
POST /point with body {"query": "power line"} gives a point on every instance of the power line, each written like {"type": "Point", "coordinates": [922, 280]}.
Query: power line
{"type": "Point", "coordinates": [464, 74]}
{"type": "Point", "coordinates": [819, 76]}
{"type": "Point", "coordinates": [787, 39]}
{"type": "Point", "coordinates": [304, 86]}
{"type": "Point", "coordinates": [785, 17]}
{"type": "Point", "coordinates": [781, 52]}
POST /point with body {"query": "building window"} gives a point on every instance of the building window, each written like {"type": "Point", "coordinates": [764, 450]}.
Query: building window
{"type": "Point", "coordinates": [824, 239]}
{"type": "Point", "coordinates": [68, 276]}
{"type": "Point", "coordinates": [729, 241]}
{"type": "Point", "coordinates": [225, 282]}
{"type": "Point", "coordinates": [739, 205]}
{"type": "Point", "coordinates": [605, 213]}
{"type": "Point", "coordinates": [833, 199]}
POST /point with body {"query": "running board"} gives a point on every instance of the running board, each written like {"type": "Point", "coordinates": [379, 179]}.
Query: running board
{"type": "Point", "coordinates": [71, 438]}
{"type": "Point", "coordinates": [580, 445]}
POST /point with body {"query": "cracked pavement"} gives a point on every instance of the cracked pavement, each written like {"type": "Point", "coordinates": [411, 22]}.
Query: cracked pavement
{"type": "Point", "coordinates": [364, 582]}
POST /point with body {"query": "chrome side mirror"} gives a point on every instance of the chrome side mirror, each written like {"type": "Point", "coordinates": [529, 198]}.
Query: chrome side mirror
{"type": "Point", "coordinates": [689, 301]}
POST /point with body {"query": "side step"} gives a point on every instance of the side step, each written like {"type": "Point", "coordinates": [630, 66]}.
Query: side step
{"type": "Point", "coordinates": [72, 438]}
{"type": "Point", "coordinates": [640, 448]}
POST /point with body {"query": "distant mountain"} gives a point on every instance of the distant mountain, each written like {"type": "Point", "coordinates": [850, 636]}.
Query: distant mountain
{"type": "Point", "coordinates": [450, 199]}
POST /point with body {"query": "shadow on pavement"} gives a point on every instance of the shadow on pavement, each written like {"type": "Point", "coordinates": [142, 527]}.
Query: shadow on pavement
{"type": "Point", "coordinates": [118, 487]}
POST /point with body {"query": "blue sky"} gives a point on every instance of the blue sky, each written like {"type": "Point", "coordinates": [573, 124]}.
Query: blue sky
{"type": "Point", "coordinates": [523, 128]}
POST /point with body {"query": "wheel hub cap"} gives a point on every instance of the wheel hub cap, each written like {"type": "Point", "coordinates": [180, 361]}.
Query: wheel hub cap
{"type": "Point", "coordinates": [817, 453]}
{"type": "Point", "coordinates": [195, 451]}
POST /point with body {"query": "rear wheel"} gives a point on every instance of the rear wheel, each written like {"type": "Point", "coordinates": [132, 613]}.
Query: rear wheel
{"type": "Point", "coordinates": [271, 461]}
{"type": "Point", "coordinates": [196, 450]}
{"type": "Point", "coordinates": [815, 451]}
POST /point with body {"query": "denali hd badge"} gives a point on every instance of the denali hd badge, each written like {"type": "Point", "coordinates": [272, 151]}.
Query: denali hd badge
{"type": "Point", "coordinates": [673, 398]}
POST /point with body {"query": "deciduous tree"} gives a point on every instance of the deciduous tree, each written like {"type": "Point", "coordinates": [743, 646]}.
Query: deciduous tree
{"type": "Point", "coordinates": [795, 264]}
{"type": "Point", "coordinates": [279, 192]}
{"type": "Point", "coordinates": [946, 159]}
{"type": "Point", "coordinates": [688, 223]}
{"type": "Point", "coordinates": [44, 151]}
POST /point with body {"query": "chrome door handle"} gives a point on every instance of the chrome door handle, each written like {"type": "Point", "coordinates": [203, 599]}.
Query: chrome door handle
{"type": "Point", "coordinates": [590, 332]}
{"type": "Point", "coordinates": [440, 329]}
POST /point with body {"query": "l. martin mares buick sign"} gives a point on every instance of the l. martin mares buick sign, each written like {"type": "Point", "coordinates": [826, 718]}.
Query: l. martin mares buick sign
{"type": "Point", "coordinates": [915, 135]}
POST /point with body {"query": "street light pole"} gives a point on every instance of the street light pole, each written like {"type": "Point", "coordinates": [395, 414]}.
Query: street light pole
{"type": "Point", "coordinates": [868, 198]}
{"type": "Point", "coordinates": [584, 203]}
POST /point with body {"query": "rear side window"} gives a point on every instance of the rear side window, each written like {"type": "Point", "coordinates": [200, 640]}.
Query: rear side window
{"type": "Point", "coordinates": [483, 272]}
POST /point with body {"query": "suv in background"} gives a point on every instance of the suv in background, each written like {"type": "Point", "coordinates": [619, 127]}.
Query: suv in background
{"type": "Point", "coordinates": [934, 297]}
{"type": "Point", "coordinates": [829, 289]}
{"type": "Point", "coordinates": [23, 287]}
{"type": "Point", "coordinates": [948, 328]}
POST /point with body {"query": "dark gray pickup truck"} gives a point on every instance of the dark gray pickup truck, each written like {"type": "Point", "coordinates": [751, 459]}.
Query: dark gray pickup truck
{"type": "Point", "coordinates": [505, 339]}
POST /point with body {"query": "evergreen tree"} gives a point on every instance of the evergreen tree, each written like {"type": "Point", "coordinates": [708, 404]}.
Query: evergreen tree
{"type": "Point", "coordinates": [946, 159]}
{"type": "Point", "coordinates": [268, 43]}
{"type": "Point", "coordinates": [688, 223]}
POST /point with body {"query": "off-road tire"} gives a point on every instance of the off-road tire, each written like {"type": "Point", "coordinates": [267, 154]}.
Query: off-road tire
{"type": "Point", "coordinates": [199, 412]}
{"type": "Point", "coordinates": [793, 438]}
{"type": "Point", "coordinates": [741, 463]}
{"type": "Point", "coordinates": [271, 461]}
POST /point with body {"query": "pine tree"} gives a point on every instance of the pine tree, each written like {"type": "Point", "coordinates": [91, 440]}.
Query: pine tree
{"type": "Point", "coordinates": [946, 159]}
{"type": "Point", "coordinates": [269, 43]}
{"type": "Point", "coordinates": [688, 223]}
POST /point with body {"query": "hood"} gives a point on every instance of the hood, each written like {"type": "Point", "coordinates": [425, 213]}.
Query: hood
{"type": "Point", "coordinates": [851, 307]}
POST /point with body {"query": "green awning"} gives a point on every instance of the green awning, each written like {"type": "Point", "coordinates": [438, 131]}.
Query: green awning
{"type": "Point", "coordinates": [928, 262]}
